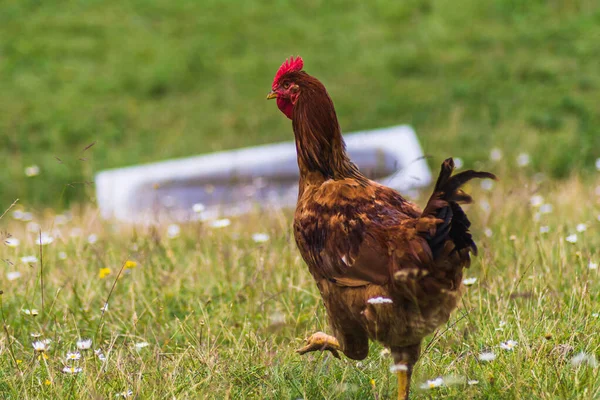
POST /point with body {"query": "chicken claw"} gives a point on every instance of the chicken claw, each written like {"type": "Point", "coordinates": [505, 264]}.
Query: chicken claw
{"type": "Point", "coordinates": [320, 341]}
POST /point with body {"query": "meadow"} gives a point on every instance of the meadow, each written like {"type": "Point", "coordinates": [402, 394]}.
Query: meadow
{"type": "Point", "coordinates": [215, 310]}
{"type": "Point", "coordinates": [91, 309]}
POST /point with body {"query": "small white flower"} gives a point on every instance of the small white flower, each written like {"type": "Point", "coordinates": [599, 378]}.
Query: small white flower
{"type": "Point", "coordinates": [72, 370]}
{"type": "Point", "coordinates": [260, 237]}
{"type": "Point", "coordinates": [27, 216]}
{"type": "Point", "coordinates": [32, 170]}
{"type": "Point", "coordinates": [583, 358]}
{"type": "Point", "coordinates": [508, 345]}
{"type": "Point", "coordinates": [572, 238]}
{"type": "Point", "coordinates": [469, 281]}
{"type": "Point", "coordinates": [173, 231]}
{"type": "Point", "coordinates": [84, 344]}
{"type": "Point", "coordinates": [544, 229]}
{"type": "Point", "coordinates": [35, 335]}
{"type": "Point", "coordinates": [581, 227]}
{"type": "Point", "coordinates": [379, 300]}
{"type": "Point", "coordinates": [141, 345]}
{"type": "Point", "coordinates": [488, 232]}
{"type": "Point", "coordinates": [595, 315]}
{"type": "Point", "coordinates": [593, 265]}
{"type": "Point", "coordinates": [458, 162]}
{"type": "Point", "coordinates": [91, 239]}
{"type": "Point", "coordinates": [33, 312]}
{"type": "Point", "coordinates": [487, 356]}
{"type": "Point", "coordinates": [198, 208]}
{"type": "Point", "coordinates": [220, 223]}
{"type": "Point", "coordinates": [398, 367]}
{"type": "Point", "coordinates": [11, 276]}
{"type": "Point", "coordinates": [104, 308]}
{"type": "Point", "coordinates": [12, 242]}
{"type": "Point", "coordinates": [485, 205]}
{"type": "Point", "coordinates": [73, 356]}
{"type": "Point", "coordinates": [29, 259]}
{"type": "Point", "coordinates": [536, 200]}
{"type": "Point", "coordinates": [100, 355]}
{"type": "Point", "coordinates": [18, 215]}
{"type": "Point", "coordinates": [40, 346]}
{"type": "Point", "coordinates": [487, 184]}
{"type": "Point", "coordinates": [437, 382]}
{"type": "Point", "coordinates": [598, 164]}
{"type": "Point", "coordinates": [125, 395]}
{"type": "Point", "coordinates": [33, 227]}
{"type": "Point", "coordinates": [546, 208]}
{"type": "Point", "coordinates": [62, 255]}
{"type": "Point", "coordinates": [472, 382]}
{"type": "Point", "coordinates": [523, 160]}
{"type": "Point", "coordinates": [496, 154]}
{"type": "Point", "coordinates": [385, 352]}
{"type": "Point", "coordinates": [44, 239]}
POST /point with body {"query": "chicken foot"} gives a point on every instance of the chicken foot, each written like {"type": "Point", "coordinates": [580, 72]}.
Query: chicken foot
{"type": "Point", "coordinates": [404, 361]}
{"type": "Point", "coordinates": [321, 341]}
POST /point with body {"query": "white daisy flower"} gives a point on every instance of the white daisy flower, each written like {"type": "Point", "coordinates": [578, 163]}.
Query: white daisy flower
{"type": "Point", "coordinates": [84, 344]}
{"type": "Point", "coordinates": [29, 259]}
{"type": "Point", "coordinates": [141, 345]}
{"type": "Point", "coordinates": [536, 200]}
{"type": "Point", "coordinates": [469, 281]}
{"type": "Point", "coordinates": [380, 300]}
{"type": "Point", "coordinates": [33, 312]}
{"type": "Point", "coordinates": [508, 345]}
{"type": "Point", "coordinates": [523, 160]}
{"type": "Point", "coordinates": [72, 370]}
{"type": "Point", "coordinates": [487, 184]}
{"type": "Point", "coordinates": [198, 208]}
{"type": "Point", "coordinates": [91, 239]}
{"type": "Point", "coordinates": [593, 265]}
{"type": "Point", "coordinates": [572, 238]}
{"type": "Point", "coordinates": [100, 355]}
{"type": "Point", "coordinates": [496, 154]}
{"type": "Point", "coordinates": [40, 346]}
{"type": "Point", "coordinates": [62, 255]}
{"type": "Point", "coordinates": [488, 232]}
{"type": "Point", "coordinates": [173, 231]}
{"type": "Point", "coordinates": [18, 215]}
{"type": "Point", "coordinates": [472, 382]}
{"type": "Point", "coordinates": [398, 367]}
{"type": "Point", "coordinates": [11, 276]}
{"type": "Point", "coordinates": [581, 227]}
{"type": "Point", "coordinates": [458, 162]}
{"type": "Point", "coordinates": [260, 237]}
{"type": "Point", "coordinates": [44, 239]}
{"type": "Point", "coordinates": [584, 358]}
{"type": "Point", "coordinates": [220, 223]}
{"type": "Point", "coordinates": [73, 356]}
{"type": "Point", "coordinates": [487, 356]}
{"type": "Point", "coordinates": [544, 229]}
{"type": "Point", "coordinates": [437, 382]}
{"type": "Point", "coordinates": [125, 394]}
{"type": "Point", "coordinates": [32, 170]}
{"type": "Point", "coordinates": [546, 208]}
{"type": "Point", "coordinates": [12, 242]}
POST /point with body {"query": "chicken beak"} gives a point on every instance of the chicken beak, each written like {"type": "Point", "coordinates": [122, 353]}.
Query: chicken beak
{"type": "Point", "coordinates": [272, 95]}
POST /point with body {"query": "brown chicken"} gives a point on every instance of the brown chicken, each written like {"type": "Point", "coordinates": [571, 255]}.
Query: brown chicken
{"type": "Point", "coordinates": [386, 270]}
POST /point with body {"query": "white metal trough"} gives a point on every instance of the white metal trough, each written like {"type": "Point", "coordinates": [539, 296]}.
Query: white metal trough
{"type": "Point", "coordinates": [235, 182]}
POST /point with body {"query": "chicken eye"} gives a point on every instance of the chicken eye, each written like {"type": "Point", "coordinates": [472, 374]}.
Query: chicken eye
{"type": "Point", "coordinates": [286, 85]}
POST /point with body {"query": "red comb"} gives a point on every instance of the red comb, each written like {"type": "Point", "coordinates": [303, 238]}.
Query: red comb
{"type": "Point", "coordinates": [291, 64]}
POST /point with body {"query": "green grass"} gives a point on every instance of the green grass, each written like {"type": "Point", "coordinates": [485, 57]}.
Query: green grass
{"type": "Point", "coordinates": [148, 80]}
{"type": "Point", "coordinates": [223, 314]}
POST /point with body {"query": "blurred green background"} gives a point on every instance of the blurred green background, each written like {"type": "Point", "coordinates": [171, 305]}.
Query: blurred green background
{"type": "Point", "coordinates": [155, 79]}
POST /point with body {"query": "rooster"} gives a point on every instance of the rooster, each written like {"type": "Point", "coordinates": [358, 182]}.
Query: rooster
{"type": "Point", "coordinates": [387, 271]}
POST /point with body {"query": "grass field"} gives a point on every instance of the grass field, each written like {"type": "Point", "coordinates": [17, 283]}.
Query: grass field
{"type": "Point", "coordinates": [212, 313]}
{"type": "Point", "coordinates": [155, 79]}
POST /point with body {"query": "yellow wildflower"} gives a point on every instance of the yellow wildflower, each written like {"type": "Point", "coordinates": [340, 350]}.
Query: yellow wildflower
{"type": "Point", "coordinates": [104, 272]}
{"type": "Point", "coordinates": [47, 382]}
{"type": "Point", "coordinates": [130, 264]}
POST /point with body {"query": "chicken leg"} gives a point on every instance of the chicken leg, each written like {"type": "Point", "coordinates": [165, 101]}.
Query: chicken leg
{"type": "Point", "coordinates": [404, 361]}
{"type": "Point", "coordinates": [321, 341]}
